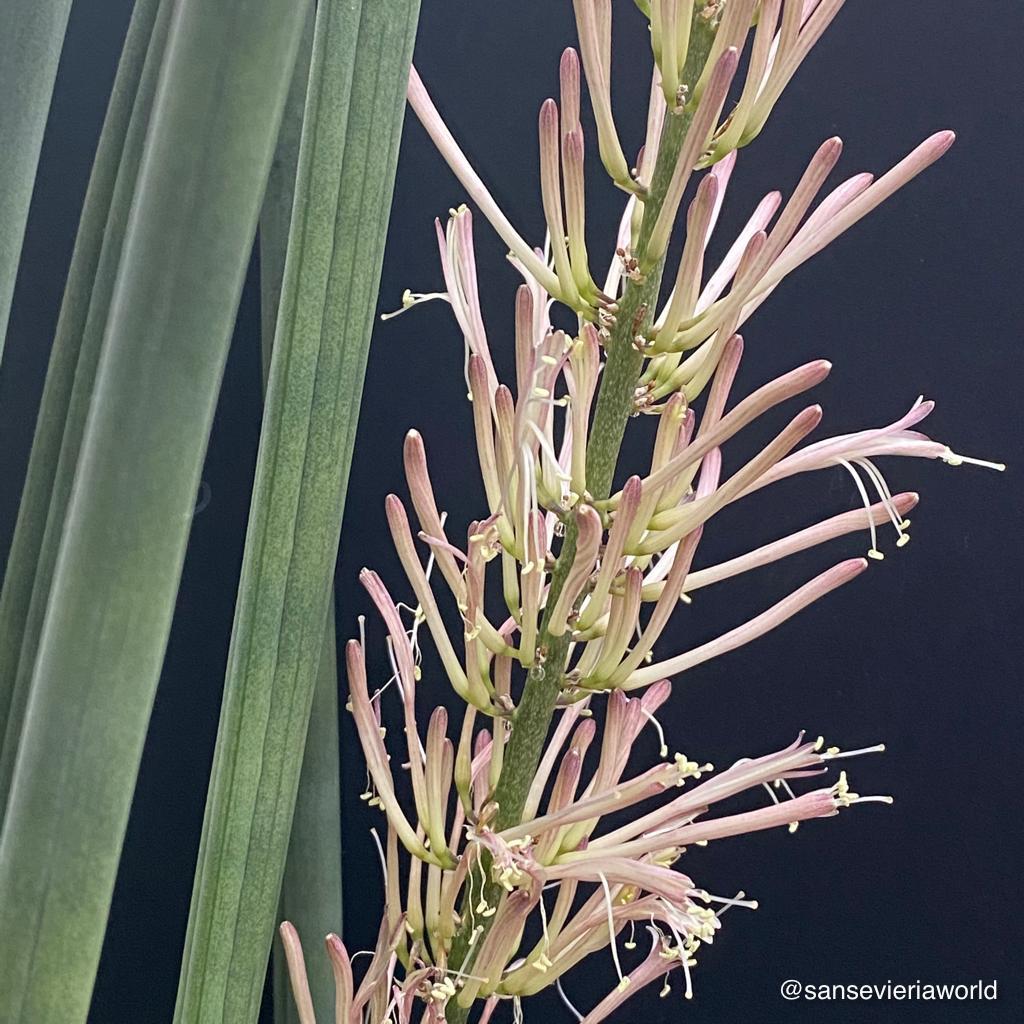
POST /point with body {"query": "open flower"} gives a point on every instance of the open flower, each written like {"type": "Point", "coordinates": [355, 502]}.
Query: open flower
{"type": "Point", "coordinates": [563, 884]}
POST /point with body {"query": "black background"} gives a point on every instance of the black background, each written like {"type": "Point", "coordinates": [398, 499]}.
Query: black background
{"type": "Point", "coordinates": [922, 652]}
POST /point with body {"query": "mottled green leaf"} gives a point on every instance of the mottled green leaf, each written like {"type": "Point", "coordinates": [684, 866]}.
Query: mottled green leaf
{"type": "Point", "coordinates": [311, 887]}
{"type": "Point", "coordinates": [347, 158]}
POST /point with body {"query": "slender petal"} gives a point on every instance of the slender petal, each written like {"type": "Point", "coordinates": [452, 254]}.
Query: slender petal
{"type": "Point", "coordinates": [756, 627]}
{"type": "Point", "coordinates": [424, 108]}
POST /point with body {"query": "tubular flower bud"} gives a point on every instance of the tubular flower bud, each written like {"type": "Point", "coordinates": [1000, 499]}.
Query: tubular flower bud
{"type": "Point", "coordinates": [593, 24]}
{"type": "Point", "coordinates": [551, 193]}
{"type": "Point", "coordinates": [585, 557]}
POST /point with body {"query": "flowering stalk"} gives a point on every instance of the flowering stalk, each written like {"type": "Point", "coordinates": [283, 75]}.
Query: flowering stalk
{"type": "Point", "coordinates": [507, 830]}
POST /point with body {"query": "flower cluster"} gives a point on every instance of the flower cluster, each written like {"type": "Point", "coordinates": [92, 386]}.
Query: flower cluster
{"type": "Point", "coordinates": [520, 861]}
{"type": "Point", "coordinates": [568, 881]}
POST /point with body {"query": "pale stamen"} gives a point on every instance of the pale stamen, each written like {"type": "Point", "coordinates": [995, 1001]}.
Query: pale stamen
{"type": "Point", "coordinates": [663, 750]}
{"type": "Point", "coordinates": [873, 551]}
{"type": "Point", "coordinates": [411, 298]}
{"type": "Point", "coordinates": [738, 900]}
{"type": "Point", "coordinates": [952, 459]}
{"type": "Point", "coordinates": [835, 754]}
{"type": "Point", "coordinates": [567, 1001]}
{"type": "Point", "coordinates": [613, 944]}
{"type": "Point", "coordinates": [899, 523]}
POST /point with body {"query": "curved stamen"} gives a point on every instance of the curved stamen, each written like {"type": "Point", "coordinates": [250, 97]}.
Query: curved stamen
{"type": "Point", "coordinates": [873, 551]}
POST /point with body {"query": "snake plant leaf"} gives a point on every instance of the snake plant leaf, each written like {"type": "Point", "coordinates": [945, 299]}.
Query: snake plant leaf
{"type": "Point", "coordinates": [276, 215]}
{"type": "Point", "coordinates": [311, 887]}
{"type": "Point", "coordinates": [72, 370]}
{"type": "Point", "coordinates": [30, 45]}
{"type": "Point", "coordinates": [352, 123]}
{"type": "Point", "coordinates": [214, 122]}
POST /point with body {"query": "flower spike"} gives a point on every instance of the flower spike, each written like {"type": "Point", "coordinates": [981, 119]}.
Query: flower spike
{"type": "Point", "coordinates": [532, 841]}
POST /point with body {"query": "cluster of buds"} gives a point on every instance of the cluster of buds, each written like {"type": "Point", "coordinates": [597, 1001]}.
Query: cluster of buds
{"type": "Point", "coordinates": [499, 898]}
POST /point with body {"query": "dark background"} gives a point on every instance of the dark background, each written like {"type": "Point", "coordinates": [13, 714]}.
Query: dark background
{"type": "Point", "coordinates": [922, 652]}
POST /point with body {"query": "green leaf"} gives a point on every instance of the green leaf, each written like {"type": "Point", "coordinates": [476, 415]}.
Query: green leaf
{"type": "Point", "coordinates": [276, 215]}
{"type": "Point", "coordinates": [72, 370]}
{"type": "Point", "coordinates": [30, 45]}
{"type": "Point", "coordinates": [346, 172]}
{"type": "Point", "coordinates": [311, 887]}
{"type": "Point", "coordinates": [204, 168]}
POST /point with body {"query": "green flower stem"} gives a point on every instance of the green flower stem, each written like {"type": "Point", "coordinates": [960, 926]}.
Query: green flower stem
{"type": "Point", "coordinates": [615, 406]}
{"type": "Point", "coordinates": [30, 45]}
{"type": "Point", "coordinates": [532, 719]}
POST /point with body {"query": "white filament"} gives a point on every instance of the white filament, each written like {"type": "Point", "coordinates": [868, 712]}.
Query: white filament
{"type": "Point", "coordinates": [873, 551]}
{"type": "Point", "coordinates": [611, 929]}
